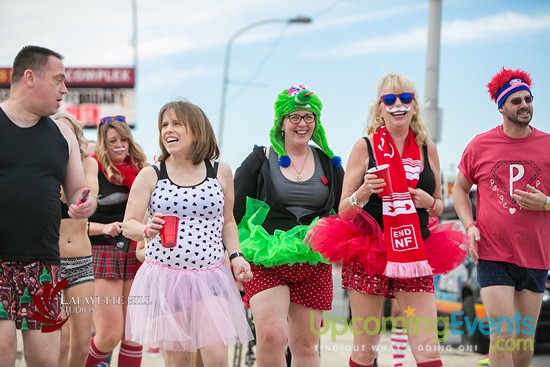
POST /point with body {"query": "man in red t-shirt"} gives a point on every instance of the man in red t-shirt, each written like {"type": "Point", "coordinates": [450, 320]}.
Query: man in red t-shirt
{"type": "Point", "coordinates": [510, 242]}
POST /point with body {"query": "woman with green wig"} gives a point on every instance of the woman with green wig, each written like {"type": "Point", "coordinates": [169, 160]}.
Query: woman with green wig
{"type": "Point", "coordinates": [280, 192]}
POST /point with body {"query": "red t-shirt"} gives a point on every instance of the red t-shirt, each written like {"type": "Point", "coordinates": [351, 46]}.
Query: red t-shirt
{"type": "Point", "coordinates": [498, 165]}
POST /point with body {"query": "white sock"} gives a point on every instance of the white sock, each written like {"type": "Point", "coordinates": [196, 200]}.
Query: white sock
{"type": "Point", "coordinates": [398, 341]}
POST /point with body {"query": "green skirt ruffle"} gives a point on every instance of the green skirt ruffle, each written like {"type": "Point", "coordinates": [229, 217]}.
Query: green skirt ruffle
{"type": "Point", "coordinates": [279, 248]}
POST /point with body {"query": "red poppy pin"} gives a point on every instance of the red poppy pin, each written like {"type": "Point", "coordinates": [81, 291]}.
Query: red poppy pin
{"type": "Point", "coordinates": [324, 180]}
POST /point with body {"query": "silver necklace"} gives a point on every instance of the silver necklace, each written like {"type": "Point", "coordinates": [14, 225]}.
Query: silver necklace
{"type": "Point", "coordinates": [299, 176]}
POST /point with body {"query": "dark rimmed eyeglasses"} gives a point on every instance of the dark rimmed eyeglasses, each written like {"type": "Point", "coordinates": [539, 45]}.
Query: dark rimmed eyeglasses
{"type": "Point", "coordinates": [390, 99]}
{"type": "Point", "coordinates": [109, 119]}
{"type": "Point", "coordinates": [295, 119]}
{"type": "Point", "coordinates": [518, 100]}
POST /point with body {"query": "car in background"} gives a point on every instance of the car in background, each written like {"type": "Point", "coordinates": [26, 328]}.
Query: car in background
{"type": "Point", "coordinates": [447, 186]}
{"type": "Point", "coordinates": [459, 290]}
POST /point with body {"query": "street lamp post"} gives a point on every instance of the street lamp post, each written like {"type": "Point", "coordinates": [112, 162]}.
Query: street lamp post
{"type": "Point", "coordinates": [302, 20]}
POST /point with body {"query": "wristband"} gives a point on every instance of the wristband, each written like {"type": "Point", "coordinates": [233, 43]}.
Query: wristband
{"type": "Point", "coordinates": [235, 255]}
{"type": "Point", "coordinates": [353, 201]}
{"type": "Point", "coordinates": [433, 206]}
{"type": "Point", "coordinates": [473, 224]}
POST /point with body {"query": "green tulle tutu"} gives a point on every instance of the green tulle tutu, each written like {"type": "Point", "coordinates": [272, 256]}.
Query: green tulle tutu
{"type": "Point", "coordinates": [279, 248]}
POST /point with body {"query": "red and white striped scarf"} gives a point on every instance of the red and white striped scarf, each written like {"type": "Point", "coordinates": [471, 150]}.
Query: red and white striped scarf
{"type": "Point", "coordinates": [404, 245]}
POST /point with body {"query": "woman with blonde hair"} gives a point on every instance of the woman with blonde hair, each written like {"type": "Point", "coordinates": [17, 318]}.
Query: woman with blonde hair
{"type": "Point", "coordinates": [76, 263]}
{"type": "Point", "coordinates": [399, 247]}
{"type": "Point", "coordinates": [119, 160]}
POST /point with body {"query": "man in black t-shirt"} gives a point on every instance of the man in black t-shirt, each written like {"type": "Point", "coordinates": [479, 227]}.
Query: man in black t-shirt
{"type": "Point", "coordinates": [37, 156]}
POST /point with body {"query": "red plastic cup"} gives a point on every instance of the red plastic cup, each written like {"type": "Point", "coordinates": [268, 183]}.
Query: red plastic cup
{"type": "Point", "coordinates": [169, 231]}
{"type": "Point", "coordinates": [382, 171]}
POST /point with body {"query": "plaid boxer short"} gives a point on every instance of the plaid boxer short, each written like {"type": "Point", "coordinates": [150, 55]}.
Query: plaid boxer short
{"type": "Point", "coordinates": [19, 283]}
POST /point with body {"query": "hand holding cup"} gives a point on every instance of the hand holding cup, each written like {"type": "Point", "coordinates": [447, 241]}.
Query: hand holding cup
{"type": "Point", "coordinates": [382, 171]}
{"type": "Point", "coordinates": [169, 231]}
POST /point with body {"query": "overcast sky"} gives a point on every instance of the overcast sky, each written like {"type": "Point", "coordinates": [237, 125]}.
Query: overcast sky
{"type": "Point", "coordinates": [341, 55]}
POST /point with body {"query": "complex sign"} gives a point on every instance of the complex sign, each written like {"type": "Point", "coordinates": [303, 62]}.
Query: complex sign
{"type": "Point", "coordinates": [93, 93]}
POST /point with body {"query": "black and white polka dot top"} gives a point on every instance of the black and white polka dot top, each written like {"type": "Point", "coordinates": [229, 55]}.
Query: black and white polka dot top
{"type": "Point", "coordinates": [200, 208]}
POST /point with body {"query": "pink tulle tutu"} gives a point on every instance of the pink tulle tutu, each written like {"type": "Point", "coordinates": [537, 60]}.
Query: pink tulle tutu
{"type": "Point", "coordinates": [185, 310]}
{"type": "Point", "coordinates": [358, 238]}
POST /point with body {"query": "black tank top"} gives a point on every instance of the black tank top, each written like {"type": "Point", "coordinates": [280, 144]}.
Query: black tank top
{"type": "Point", "coordinates": [426, 182]}
{"type": "Point", "coordinates": [111, 205]}
{"type": "Point", "coordinates": [211, 171]}
{"type": "Point", "coordinates": [33, 163]}
{"type": "Point", "coordinates": [64, 210]}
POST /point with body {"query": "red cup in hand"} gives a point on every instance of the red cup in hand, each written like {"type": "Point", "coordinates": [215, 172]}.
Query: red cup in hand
{"type": "Point", "coordinates": [169, 231]}
{"type": "Point", "coordinates": [382, 171]}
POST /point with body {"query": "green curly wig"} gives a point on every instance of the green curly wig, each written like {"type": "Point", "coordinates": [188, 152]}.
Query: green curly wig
{"type": "Point", "coordinates": [298, 97]}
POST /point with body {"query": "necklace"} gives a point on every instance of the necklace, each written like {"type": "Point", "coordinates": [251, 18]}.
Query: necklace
{"type": "Point", "coordinates": [299, 176]}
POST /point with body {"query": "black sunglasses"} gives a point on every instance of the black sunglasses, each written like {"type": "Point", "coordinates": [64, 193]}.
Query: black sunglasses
{"type": "Point", "coordinates": [518, 100]}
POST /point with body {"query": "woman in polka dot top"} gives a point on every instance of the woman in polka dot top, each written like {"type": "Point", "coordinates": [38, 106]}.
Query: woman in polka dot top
{"type": "Point", "coordinates": [183, 298]}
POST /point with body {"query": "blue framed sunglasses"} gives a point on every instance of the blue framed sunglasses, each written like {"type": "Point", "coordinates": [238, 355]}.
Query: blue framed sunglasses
{"type": "Point", "coordinates": [109, 119]}
{"type": "Point", "coordinates": [390, 99]}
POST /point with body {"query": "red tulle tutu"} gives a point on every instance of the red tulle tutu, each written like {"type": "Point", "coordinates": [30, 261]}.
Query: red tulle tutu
{"type": "Point", "coordinates": [360, 238]}
{"type": "Point", "coordinates": [446, 247]}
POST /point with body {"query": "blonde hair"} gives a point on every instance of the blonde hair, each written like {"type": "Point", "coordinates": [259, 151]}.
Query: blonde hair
{"type": "Point", "coordinates": [77, 129]}
{"type": "Point", "coordinates": [195, 120]}
{"type": "Point", "coordinates": [398, 84]}
{"type": "Point", "coordinates": [136, 155]}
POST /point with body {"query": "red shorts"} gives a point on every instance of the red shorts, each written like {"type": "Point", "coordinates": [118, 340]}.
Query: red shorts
{"type": "Point", "coordinates": [16, 278]}
{"type": "Point", "coordinates": [309, 285]}
{"type": "Point", "coordinates": [355, 277]}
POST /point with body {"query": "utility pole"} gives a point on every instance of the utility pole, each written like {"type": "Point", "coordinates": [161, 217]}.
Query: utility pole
{"type": "Point", "coordinates": [433, 113]}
